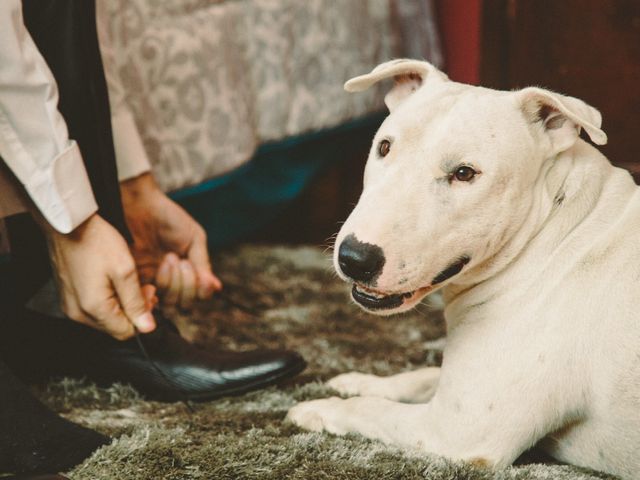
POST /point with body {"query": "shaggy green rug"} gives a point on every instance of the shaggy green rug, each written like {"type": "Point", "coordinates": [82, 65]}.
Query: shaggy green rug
{"type": "Point", "coordinates": [293, 300]}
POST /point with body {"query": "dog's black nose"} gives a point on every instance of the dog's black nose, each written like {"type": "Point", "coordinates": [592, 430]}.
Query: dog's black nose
{"type": "Point", "coordinates": [358, 260]}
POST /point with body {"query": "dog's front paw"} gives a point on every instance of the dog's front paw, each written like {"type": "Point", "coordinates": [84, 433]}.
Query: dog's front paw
{"type": "Point", "coordinates": [317, 415]}
{"type": "Point", "coordinates": [355, 383]}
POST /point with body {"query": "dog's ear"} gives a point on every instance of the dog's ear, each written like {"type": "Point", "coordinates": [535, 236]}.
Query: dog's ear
{"type": "Point", "coordinates": [561, 117]}
{"type": "Point", "coordinates": [409, 75]}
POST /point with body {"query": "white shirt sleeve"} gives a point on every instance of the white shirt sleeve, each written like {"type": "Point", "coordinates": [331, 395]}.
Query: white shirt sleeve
{"type": "Point", "coordinates": [131, 156]}
{"type": "Point", "coordinates": [34, 141]}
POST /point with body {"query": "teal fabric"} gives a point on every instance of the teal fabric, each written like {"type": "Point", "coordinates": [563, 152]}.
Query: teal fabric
{"type": "Point", "coordinates": [233, 206]}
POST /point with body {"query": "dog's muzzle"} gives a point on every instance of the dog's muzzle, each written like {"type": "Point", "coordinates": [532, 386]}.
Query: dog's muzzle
{"type": "Point", "coordinates": [372, 299]}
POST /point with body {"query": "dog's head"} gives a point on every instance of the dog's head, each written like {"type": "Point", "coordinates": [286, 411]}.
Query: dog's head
{"type": "Point", "coordinates": [449, 180]}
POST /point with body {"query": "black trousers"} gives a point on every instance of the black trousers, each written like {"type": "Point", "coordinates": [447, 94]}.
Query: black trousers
{"type": "Point", "coordinates": [65, 33]}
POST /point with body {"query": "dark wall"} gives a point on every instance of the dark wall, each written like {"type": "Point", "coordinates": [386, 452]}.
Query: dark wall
{"type": "Point", "coordinates": [588, 49]}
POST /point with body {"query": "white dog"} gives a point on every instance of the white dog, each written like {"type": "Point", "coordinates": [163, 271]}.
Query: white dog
{"type": "Point", "coordinates": [535, 238]}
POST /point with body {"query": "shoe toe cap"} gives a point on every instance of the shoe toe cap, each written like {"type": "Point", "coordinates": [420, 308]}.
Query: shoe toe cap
{"type": "Point", "coordinates": [266, 363]}
{"type": "Point", "coordinates": [230, 373]}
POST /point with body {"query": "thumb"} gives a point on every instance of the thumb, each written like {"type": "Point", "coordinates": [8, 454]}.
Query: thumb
{"type": "Point", "coordinates": [133, 302]}
{"type": "Point", "coordinates": [199, 257]}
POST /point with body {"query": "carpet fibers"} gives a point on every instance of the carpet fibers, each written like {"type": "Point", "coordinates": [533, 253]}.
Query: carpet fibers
{"type": "Point", "coordinates": [276, 297]}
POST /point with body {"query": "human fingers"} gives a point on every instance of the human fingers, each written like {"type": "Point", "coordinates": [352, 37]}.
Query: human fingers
{"type": "Point", "coordinates": [84, 264]}
{"type": "Point", "coordinates": [150, 297]}
{"type": "Point", "coordinates": [71, 309]}
{"type": "Point", "coordinates": [112, 320]}
{"type": "Point", "coordinates": [98, 307]}
{"type": "Point", "coordinates": [210, 284]}
{"type": "Point", "coordinates": [188, 292]}
{"type": "Point", "coordinates": [198, 254]}
{"type": "Point", "coordinates": [171, 295]}
{"type": "Point", "coordinates": [127, 287]}
{"type": "Point", "coordinates": [163, 275]}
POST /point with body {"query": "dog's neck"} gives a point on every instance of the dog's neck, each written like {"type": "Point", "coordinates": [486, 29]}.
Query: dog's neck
{"type": "Point", "coordinates": [564, 193]}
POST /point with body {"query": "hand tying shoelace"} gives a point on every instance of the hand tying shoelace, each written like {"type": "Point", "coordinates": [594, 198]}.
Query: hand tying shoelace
{"type": "Point", "coordinates": [185, 398]}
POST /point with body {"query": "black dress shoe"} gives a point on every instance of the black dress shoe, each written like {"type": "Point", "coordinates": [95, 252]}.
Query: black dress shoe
{"type": "Point", "coordinates": [36, 477]}
{"type": "Point", "coordinates": [161, 364]}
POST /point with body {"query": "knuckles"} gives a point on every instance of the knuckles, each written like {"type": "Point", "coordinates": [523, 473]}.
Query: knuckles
{"type": "Point", "coordinates": [124, 270]}
{"type": "Point", "coordinates": [74, 312]}
{"type": "Point", "coordinates": [91, 306]}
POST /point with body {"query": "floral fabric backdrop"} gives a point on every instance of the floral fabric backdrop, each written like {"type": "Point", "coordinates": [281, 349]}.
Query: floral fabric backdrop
{"type": "Point", "coordinates": [210, 80]}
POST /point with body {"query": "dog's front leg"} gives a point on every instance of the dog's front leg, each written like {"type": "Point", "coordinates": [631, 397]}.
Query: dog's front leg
{"type": "Point", "coordinates": [417, 386]}
{"type": "Point", "coordinates": [376, 418]}
{"type": "Point", "coordinates": [492, 436]}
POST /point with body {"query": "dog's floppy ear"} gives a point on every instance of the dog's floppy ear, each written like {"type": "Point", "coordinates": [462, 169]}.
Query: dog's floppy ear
{"type": "Point", "coordinates": [561, 117]}
{"type": "Point", "coordinates": [409, 75]}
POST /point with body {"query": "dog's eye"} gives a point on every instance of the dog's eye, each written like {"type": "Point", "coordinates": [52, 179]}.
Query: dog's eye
{"type": "Point", "coordinates": [464, 173]}
{"type": "Point", "coordinates": [383, 148]}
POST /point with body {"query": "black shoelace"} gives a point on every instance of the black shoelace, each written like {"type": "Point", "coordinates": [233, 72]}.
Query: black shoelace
{"type": "Point", "coordinates": [185, 398]}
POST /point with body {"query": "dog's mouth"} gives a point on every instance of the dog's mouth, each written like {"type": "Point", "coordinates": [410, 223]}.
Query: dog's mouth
{"type": "Point", "coordinates": [452, 270]}
{"type": "Point", "coordinates": [376, 300]}
{"type": "Point", "coordinates": [372, 299]}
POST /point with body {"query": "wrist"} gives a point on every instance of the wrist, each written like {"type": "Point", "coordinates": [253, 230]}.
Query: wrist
{"type": "Point", "coordinates": [75, 235]}
{"type": "Point", "coordinates": [138, 189]}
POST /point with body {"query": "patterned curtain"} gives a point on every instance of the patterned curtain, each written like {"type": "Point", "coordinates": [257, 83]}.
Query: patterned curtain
{"type": "Point", "coordinates": [210, 80]}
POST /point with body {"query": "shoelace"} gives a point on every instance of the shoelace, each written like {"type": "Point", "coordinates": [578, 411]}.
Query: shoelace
{"type": "Point", "coordinates": [185, 398]}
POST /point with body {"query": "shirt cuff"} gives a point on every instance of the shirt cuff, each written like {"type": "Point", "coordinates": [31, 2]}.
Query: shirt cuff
{"type": "Point", "coordinates": [63, 192]}
{"type": "Point", "coordinates": [131, 157]}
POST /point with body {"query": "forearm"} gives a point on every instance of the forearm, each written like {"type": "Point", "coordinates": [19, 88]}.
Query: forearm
{"type": "Point", "coordinates": [34, 141]}
{"type": "Point", "coordinates": [138, 188]}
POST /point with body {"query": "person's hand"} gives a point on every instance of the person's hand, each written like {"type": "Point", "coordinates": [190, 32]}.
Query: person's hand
{"type": "Point", "coordinates": [97, 279]}
{"type": "Point", "coordinates": [170, 247]}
